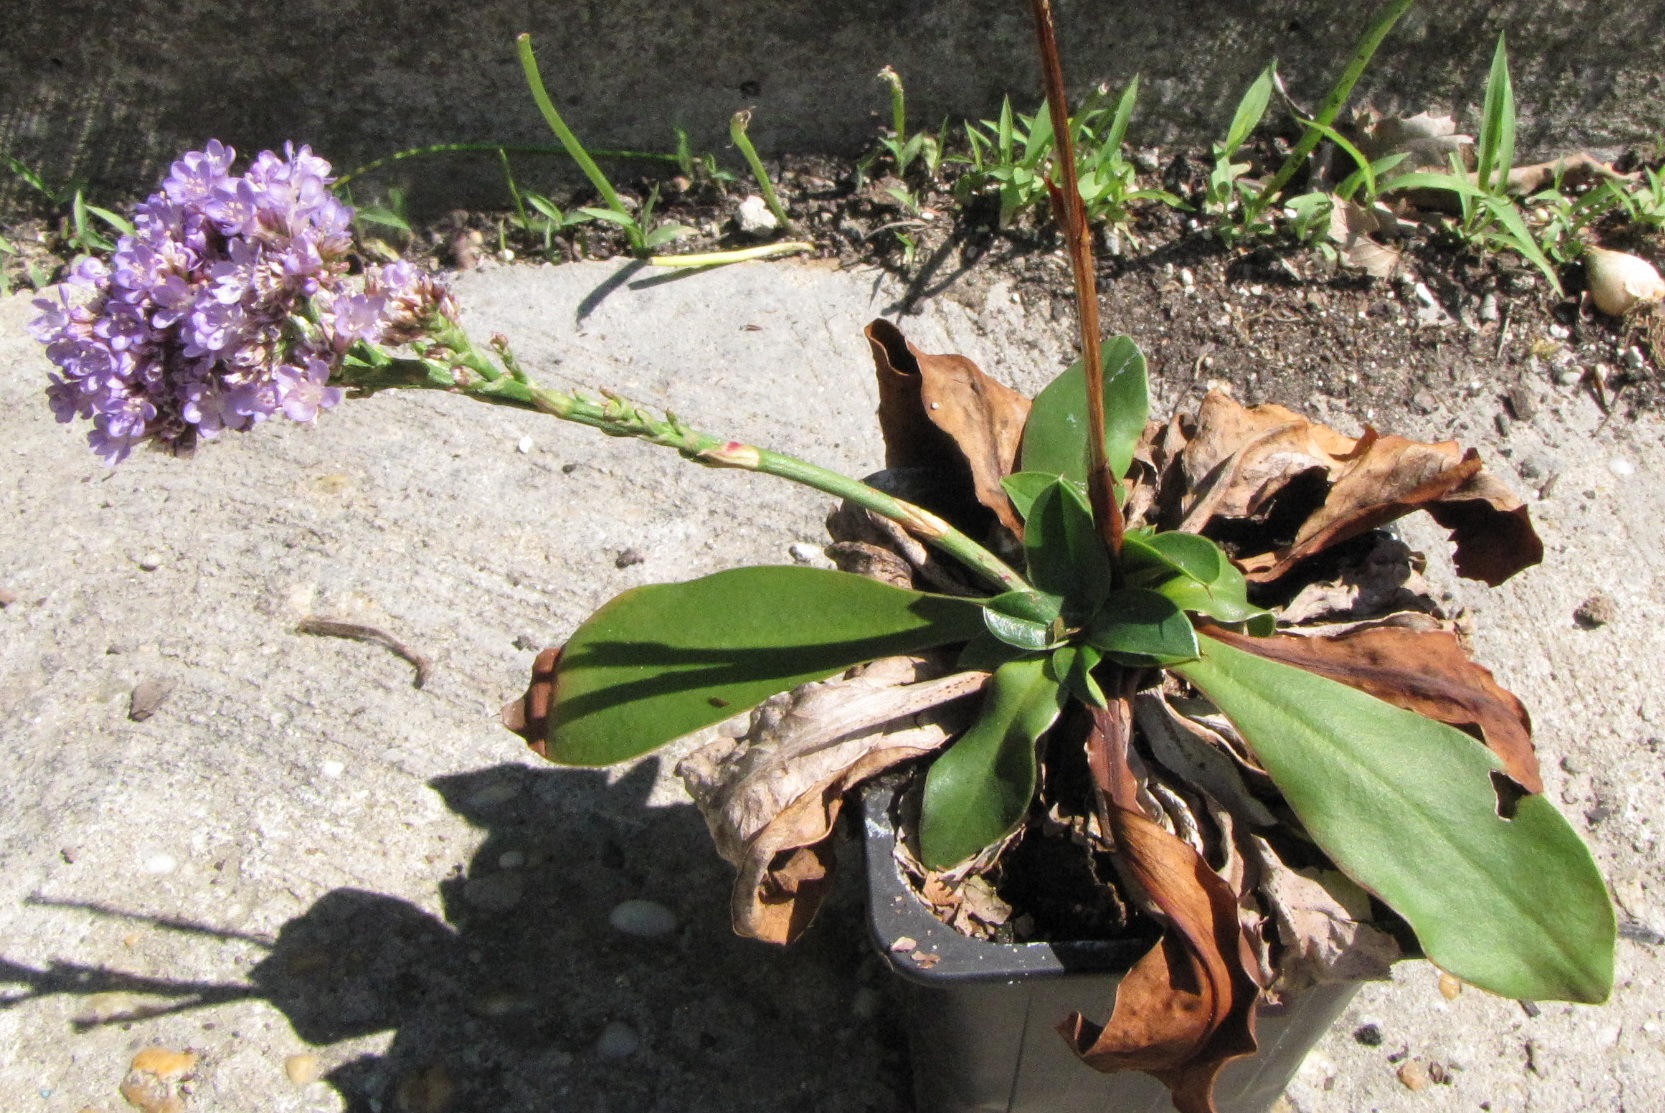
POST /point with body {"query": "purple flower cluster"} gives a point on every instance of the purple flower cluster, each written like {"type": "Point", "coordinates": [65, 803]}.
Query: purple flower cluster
{"type": "Point", "coordinates": [230, 303]}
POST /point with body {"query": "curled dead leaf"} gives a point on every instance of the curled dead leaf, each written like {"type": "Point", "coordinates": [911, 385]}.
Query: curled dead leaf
{"type": "Point", "coordinates": [1246, 464]}
{"type": "Point", "coordinates": [771, 796]}
{"type": "Point", "coordinates": [1186, 1008]}
{"type": "Point", "coordinates": [941, 413]}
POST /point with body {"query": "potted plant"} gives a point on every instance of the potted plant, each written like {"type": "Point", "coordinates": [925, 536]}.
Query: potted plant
{"type": "Point", "coordinates": [1060, 616]}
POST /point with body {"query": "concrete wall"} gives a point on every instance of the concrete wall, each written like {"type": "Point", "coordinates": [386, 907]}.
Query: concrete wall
{"type": "Point", "coordinates": [112, 92]}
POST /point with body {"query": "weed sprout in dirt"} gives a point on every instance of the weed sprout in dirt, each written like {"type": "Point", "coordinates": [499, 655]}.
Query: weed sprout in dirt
{"type": "Point", "coordinates": [1142, 632]}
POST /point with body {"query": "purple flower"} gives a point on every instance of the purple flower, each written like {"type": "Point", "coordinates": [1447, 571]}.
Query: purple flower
{"type": "Point", "coordinates": [228, 304]}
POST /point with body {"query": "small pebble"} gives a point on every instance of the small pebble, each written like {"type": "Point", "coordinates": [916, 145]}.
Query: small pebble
{"type": "Point", "coordinates": [7, 598]}
{"type": "Point", "coordinates": [148, 695]}
{"type": "Point", "coordinates": [1451, 987]}
{"type": "Point", "coordinates": [302, 1069]}
{"type": "Point", "coordinates": [1570, 764]}
{"type": "Point", "coordinates": [150, 562]}
{"type": "Point", "coordinates": [617, 1041]}
{"type": "Point", "coordinates": [629, 557]}
{"type": "Point", "coordinates": [1598, 610]}
{"type": "Point", "coordinates": [159, 862]}
{"type": "Point", "coordinates": [1413, 1075]}
{"type": "Point", "coordinates": [333, 769]}
{"type": "Point", "coordinates": [1370, 1035]}
{"type": "Point", "coordinates": [496, 892]}
{"type": "Point", "coordinates": [527, 641]}
{"type": "Point", "coordinates": [511, 859]}
{"type": "Point", "coordinates": [1619, 466]}
{"type": "Point", "coordinates": [1569, 376]}
{"type": "Point", "coordinates": [754, 217]}
{"type": "Point", "coordinates": [805, 553]}
{"type": "Point", "coordinates": [1558, 332]}
{"type": "Point", "coordinates": [645, 919]}
{"type": "Point", "coordinates": [163, 1062]}
{"type": "Point", "coordinates": [525, 445]}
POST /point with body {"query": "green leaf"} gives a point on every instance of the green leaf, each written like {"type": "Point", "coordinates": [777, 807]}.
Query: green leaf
{"type": "Point", "coordinates": [985, 652]}
{"type": "Point", "coordinates": [660, 661]}
{"type": "Point", "coordinates": [624, 220]}
{"type": "Point", "coordinates": [1074, 665]}
{"type": "Point", "coordinates": [1193, 573]}
{"type": "Point", "coordinates": [1186, 553]}
{"type": "Point", "coordinates": [1055, 437]}
{"type": "Point", "coordinates": [1023, 487]}
{"type": "Point", "coordinates": [1124, 112]}
{"type": "Point", "coordinates": [1249, 111]}
{"type": "Point", "coordinates": [1141, 628]}
{"type": "Point", "coordinates": [1025, 619]}
{"type": "Point", "coordinates": [1495, 152]}
{"type": "Point", "coordinates": [1407, 808]}
{"type": "Point", "coordinates": [1065, 553]}
{"type": "Point", "coordinates": [1515, 234]}
{"type": "Point", "coordinates": [664, 234]}
{"type": "Point", "coordinates": [979, 789]}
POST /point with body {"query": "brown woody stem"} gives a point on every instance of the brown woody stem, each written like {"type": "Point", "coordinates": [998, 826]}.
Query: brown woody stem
{"type": "Point", "coordinates": [1072, 222]}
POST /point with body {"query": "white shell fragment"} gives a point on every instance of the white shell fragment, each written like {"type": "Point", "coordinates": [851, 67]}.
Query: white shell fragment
{"type": "Point", "coordinates": [1618, 280]}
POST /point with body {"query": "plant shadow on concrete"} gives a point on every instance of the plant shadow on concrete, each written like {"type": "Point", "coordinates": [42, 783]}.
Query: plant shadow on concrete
{"type": "Point", "coordinates": [500, 1004]}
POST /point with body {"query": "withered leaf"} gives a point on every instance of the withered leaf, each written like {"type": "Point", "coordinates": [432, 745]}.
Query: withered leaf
{"type": "Point", "coordinates": [1425, 139]}
{"type": "Point", "coordinates": [1572, 170]}
{"type": "Point", "coordinates": [1323, 922]}
{"type": "Point", "coordinates": [528, 716]}
{"type": "Point", "coordinates": [770, 797]}
{"type": "Point", "coordinates": [1351, 230]}
{"type": "Point", "coordinates": [942, 412]}
{"type": "Point", "coordinates": [1241, 459]}
{"type": "Point", "coordinates": [1186, 1008]}
{"type": "Point", "coordinates": [1425, 671]}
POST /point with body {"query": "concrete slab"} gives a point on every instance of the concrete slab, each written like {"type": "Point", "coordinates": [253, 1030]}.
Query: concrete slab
{"type": "Point", "coordinates": [298, 854]}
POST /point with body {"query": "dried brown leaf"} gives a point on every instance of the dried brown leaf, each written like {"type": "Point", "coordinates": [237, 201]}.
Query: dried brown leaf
{"type": "Point", "coordinates": [1241, 459]}
{"type": "Point", "coordinates": [1425, 139]}
{"type": "Point", "coordinates": [1186, 1008]}
{"type": "Point", "coordinates": [528, 716]}
{"type": "Point", "coordinates": [1572, 170]}
{"type": "Point", "coordinates": [770, 797]}
{"type": "Point", "coordinates": [941, 412]}
{"type": "Point", "coordinates": [1351, 229]}
{"type": "Point", "coordinates": [1427, 672]}
{"type": "Point", "coordinates": [1323, 921]}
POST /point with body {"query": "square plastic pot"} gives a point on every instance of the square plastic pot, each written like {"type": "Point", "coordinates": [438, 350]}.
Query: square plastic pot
{"type": "Point", "coordinates": [981, 1015]}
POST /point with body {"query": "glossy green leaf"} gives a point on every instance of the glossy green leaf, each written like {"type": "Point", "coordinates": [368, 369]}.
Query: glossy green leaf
{"type": "Point", "coordinates": [1066, 555]}
{"type": "Point", "coordinates": [1027, 620]}
{"type": "Point", "coordinates": [1074, 665]}
{"type": "Point", "coordinates": [1407, 808]}
{"type": "Point", "coordinates": [986, 652]}
{"type": "Point", "coordinates": [1186, 553]}
{"type": "Point", "coordinates": [1139, 627]}
{"type": "Point", "coordinates": [1250, 110]}
{"type": "Point", "coordinates": [1055, 438]}
{"type": "Point", "coordinates": [980, 788]}
{"type": "Point", "coordinates": [1024, 487]}
{"type": "Point", "coordinates": [660, 661]}
{"type": "Point", "coordinates": [1195, 574]}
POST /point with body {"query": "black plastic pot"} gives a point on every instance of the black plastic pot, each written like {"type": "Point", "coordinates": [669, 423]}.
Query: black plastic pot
{"type": "Point", "coordinates": [982, 1016]}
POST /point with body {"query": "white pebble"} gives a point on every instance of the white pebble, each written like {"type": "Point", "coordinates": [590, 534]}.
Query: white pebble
{"type": "Point", "coordinates": [617, 1041]}
{"type": "Point", "coordinates": [1618, 465]}
{"type": "Point", "coordinates": [525, 445]}
{"type": "Point", "coordinates": [333, 768]}
{"type": "Point", "coordinates": [643, 918]}
{"type": "Point", "coordinates": [805, 553]}
{"type": "Point", "coordinates": [150, 562]}
{"type": "Point", "coordinates": [511, 860]}
{"type": "Point", "coordinates": [159, 862]}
